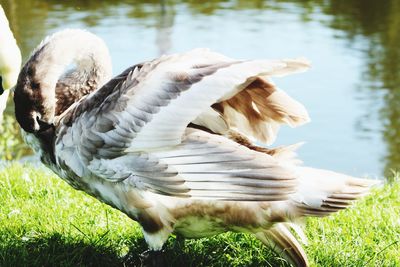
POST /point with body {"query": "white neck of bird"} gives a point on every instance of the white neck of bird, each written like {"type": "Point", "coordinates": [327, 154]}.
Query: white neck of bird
{"type": "Point", "coordinates": [10, 56]}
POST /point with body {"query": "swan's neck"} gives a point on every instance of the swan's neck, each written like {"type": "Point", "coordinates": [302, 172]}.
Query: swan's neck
{"type": "Point", "coordinates": [10, 56]}
{"type": "Point", "coordinates": [50, 60]}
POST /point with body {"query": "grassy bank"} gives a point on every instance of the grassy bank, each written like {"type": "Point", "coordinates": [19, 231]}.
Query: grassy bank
{"type": "Point", "coordinates": [44, 222]}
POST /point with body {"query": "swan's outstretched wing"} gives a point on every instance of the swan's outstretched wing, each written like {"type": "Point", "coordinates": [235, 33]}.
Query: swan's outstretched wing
{"type": "Point", "coordinates": [147, 109]}
{"type": "Point", "coordinates": [150, 107]}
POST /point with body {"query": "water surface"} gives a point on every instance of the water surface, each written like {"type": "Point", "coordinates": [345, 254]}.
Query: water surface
{"type": "Point", "coordinates": [351, 92]}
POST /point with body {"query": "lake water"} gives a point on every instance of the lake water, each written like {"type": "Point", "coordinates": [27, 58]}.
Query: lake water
{"type": "Point", "coordinates": [351, 92]}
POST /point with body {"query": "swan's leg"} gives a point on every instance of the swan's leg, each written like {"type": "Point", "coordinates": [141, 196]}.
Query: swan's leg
{"type": "Point", "coordinates": [281, 240]}
{"type": "Point", "coordinates": [153, 258]}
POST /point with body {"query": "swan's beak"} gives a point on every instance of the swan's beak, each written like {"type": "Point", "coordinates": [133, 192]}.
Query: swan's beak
{"type": "Point", "coordinates": [44, 126]}
{"type": "Point", "coordinates": [1, 86]}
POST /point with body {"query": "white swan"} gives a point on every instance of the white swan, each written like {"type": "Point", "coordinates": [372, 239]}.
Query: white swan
{"type": "Point", "coordinates": [10, 61]}
{"type": "Point", "coordinates": [168, 141]}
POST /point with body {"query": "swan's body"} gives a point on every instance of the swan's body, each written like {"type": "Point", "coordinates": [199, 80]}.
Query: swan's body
{"type": "Point", "coordinates": [166, 141]}
{"type": "Point", "coordinates": [10, 61]}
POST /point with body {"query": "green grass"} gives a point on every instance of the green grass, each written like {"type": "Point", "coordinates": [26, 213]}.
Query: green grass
{"type": "Point", "coordinates": [44, 222]}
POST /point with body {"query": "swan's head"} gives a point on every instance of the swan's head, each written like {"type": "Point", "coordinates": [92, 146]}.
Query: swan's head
{"type": "Point", "coordinates": [10, 55]}
{"type": "Point", "coordinates": [31, 111]}
{"type": "Point", "coordinates": [43, 75]}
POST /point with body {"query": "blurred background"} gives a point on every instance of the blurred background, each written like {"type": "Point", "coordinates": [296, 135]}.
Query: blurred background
{"type": "Point", "coordinates": [352, 91]}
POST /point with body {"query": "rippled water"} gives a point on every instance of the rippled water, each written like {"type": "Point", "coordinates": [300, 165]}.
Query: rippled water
{"type": "Point", "coordinates": [352, 91]}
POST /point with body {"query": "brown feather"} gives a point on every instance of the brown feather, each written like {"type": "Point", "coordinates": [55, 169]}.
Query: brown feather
{"type": "Point", "coordinates": [259, 108]}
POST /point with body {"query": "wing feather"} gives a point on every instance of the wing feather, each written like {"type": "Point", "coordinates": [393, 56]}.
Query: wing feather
{"type": "Point", "coordinates": [133, 129]}
{"type": "Point", "coordinates": [150, 105]}
{"type": "Point", "coordinates": [204, 165]}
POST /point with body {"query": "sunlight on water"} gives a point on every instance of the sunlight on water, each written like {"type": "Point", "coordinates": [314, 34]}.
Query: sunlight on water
{"type": "Point", "coordinates": [351, 91]}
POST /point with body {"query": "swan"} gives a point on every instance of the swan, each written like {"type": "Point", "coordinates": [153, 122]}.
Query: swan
{"type": "Point", "coordinates": [171, 142]}
{"type": "Point", "coordinates": [10, 61]}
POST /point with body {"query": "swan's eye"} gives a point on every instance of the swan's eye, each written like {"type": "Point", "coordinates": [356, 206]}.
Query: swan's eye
{"type": "Point", "coordinates": [1, 85]}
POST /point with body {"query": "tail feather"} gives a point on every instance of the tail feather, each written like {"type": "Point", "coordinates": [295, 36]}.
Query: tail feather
{"type": "Point", "coordinates": [280, 239]}
{"type": "Point", "coordinates": [323, 192]}
{"type": "Point", "coordinates": [319, 192]}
